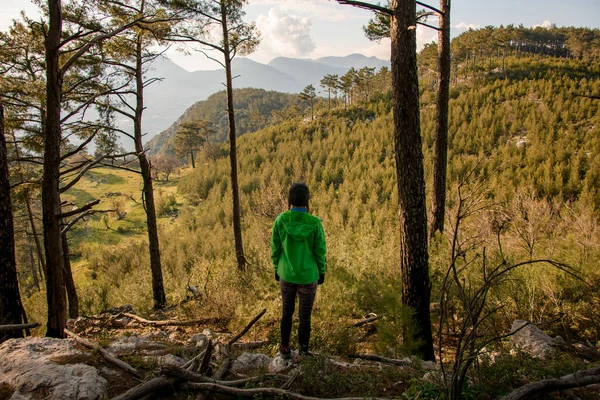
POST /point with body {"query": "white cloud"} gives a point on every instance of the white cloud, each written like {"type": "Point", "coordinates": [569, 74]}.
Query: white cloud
{"type": "Point", "coordinates": [425, 35]}
{"type": "Point", "coordinates": [285, 35]}
{"type": "Point", "coordinates": [315, 9]}
{"type": "Point", "coordinates": [546, 24]}
{"type": "Point", "coordinates": [465, 26]}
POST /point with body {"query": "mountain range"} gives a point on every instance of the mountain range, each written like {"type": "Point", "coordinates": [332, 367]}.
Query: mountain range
{"type": "Point", "coordinates": [168, 99]}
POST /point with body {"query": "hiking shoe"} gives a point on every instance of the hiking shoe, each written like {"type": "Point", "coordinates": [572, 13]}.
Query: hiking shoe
{"type": "Point", "coordinates": [285, 351]}
{"type": "Point", "coordinates": [303, 351]}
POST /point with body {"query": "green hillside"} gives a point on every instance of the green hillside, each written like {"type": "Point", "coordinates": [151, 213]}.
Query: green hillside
{"type": "Point", "coordinates": [534, 142]}
{"type": "Point", "coordinates": [254, 109]}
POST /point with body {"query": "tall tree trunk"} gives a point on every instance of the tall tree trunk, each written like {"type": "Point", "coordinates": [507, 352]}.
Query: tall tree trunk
{"type": "Point", "coordinates": [158, 290]}
{"type": "Point", "coordinates": [72, 297]}
{"type": "Point", "coordinates": [33, 267]}
{"type": "Point", "coordinates": [440, 160]}
{"type": "Point", "coordinates": [237, 225]}
{"type": "Point", "coordinates": [11, 310]}
{"type": "Point", "coordinates": [55, 287]}
{"type": "Point", "coordinates": [34, 232]}
{"type": "Point", "coordinates": [414, 260]}
{"type": "Point", "coordinates": [192, 157]}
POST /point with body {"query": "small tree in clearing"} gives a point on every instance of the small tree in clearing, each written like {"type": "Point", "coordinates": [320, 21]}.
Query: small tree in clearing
{"type": "Point", "coordinates": [189, 138]}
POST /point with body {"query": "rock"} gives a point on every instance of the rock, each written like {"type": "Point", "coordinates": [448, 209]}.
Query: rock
{"type": "Point", "coordinates": [125, 308]}
{"type": "Point", "coordinates": [153, 336]}
{"type": "Point", "coordinates": [435, 377]}
{"type": "Point", "coordinates": [50, 369]}
{"type": "Point", "coordinates": [175, 336]}
{"type": "Point", "coordinates": [209, 334]}
{"type": "Point", "coordinates": [77, 325]}
{"type": "Point", "coordinates": [128, 344]}
{"type": "Point", "coordinates": [250, 362]}
{"type": "Point", "coordinates": [198, 340]}
{"type": "Point", "coordinates": [168, 359]}
{"type": "Point", "coordinates": [531, 340]}
{"type": "Point", "coordinates": [280, 365]}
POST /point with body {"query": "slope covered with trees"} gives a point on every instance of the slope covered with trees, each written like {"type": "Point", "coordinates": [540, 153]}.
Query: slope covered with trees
{"type": "Point", "coordinates": [254, 109]}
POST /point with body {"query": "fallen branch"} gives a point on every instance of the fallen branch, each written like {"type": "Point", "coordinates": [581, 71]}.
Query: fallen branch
{"type": "Point", "coordinates": [578, 379]}
{"type": "Point", "coordinates": [146, 388]}
{"type": "Point", "coordinates": [18, 327]}
{"type": "Point", "coordinates": [172, 322]}
{"type": "Point", "coordinates": [374, 357]}
{"type": "Point", "coordinates": [349, 366]}
{"type": "Point", "coordinates": [365, 321]}
{"type": "Point", "coordinates": [192, 364]}
{"type": "Point", "coordinates": [266, 392]}
{"type": "Point", "coordinates": [288, 384]}
{"type": "Point", "coordinates": [107, 356]}
{"type": "Point", "coordinates": [185, 375]}
{"type": "Point", "coordinates": [206, 359]}
{"type": "Point", "coordinates": [247, 328]}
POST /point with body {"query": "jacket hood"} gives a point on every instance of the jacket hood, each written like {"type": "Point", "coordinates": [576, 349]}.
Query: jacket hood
{"type": "Point", "coordinates": [297, 228]}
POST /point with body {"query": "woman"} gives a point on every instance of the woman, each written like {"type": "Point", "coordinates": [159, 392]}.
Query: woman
{"type": "Point", "coordinates": [298, 253]}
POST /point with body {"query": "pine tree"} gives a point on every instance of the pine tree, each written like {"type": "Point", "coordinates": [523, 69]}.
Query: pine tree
{"type": "Point", "coordinates": [189, 138]}
{"type": "Point", "coordinates": [309, 95]}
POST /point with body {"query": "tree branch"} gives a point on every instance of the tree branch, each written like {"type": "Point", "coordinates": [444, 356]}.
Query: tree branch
{"type": "Point", "coordinates": [79, 210]}
{"type": "Point", "coordinates": [367, 6]}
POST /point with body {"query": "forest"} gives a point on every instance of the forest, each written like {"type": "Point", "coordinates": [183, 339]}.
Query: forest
{"type": "Point", "coordinates": [179, 229]}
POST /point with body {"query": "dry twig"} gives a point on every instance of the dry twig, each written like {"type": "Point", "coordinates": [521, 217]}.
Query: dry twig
{"type": "Point", "coordinates": [107, 356]}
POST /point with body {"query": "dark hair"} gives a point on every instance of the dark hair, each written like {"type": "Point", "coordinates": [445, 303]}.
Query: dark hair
{"type": "Point", "coordinates": [299, 195]}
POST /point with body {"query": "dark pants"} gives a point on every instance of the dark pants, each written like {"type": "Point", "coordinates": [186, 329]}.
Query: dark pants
{"type": "Point", "coordinates": [306, 298]}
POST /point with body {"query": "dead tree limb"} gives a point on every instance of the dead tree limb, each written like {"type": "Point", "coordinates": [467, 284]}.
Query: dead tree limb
{"type": "Point", "coordinates": [366, 321]}
{"type": "Point", "coordinates": [172, 322]}
{"type": "Point", "coordinates": [288, 384]}
{"type": "Point", "coordinates": [194, 361]}
{"type": "Point", "coordinates": [185, 375]}
{"type": "Point", "coordinates": [18, 327]}
{"type": "Point", "coordinates": [107, 356]}
{"type": "Point", "coordinates": [374, 357]}
{"type": "Point", "coordinates": [247, 328]}
{"type": "Point", "coordinates": [146, 388]}
{"type": "Point", "coordinates": [266, 392]}
{"type": "Point", "coordinates": [578, 379]}
{"type": "Point", "coordinates": [206, 359]}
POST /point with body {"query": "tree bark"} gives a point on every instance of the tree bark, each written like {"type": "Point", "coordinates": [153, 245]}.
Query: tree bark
{"type": "Point", "coordinates": [440, 160]}
{"type": "Point", "coordinates": [237, 225]}
{"type": "Point", "coordinates": [11, 310]}
{"type": "Point", "coordinates": [34, 232]}
{"type": "Point", "coordinates": [158, 290]}
{"type": "Point", "coordinates": [33, 267]}
{"type": "Point", "coordinates": [73, 299]}
{"type": "Point", "coordinates": [55, 287]}
{"type": "Point", "coordinates": [414, 259]}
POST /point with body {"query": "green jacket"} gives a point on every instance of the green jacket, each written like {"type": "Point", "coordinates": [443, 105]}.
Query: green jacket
{"type": "Point", "coordinates": [298, 247]}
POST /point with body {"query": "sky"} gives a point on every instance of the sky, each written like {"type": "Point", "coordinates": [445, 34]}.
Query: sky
{"type": "Point", "coordinates": [320, 28]}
